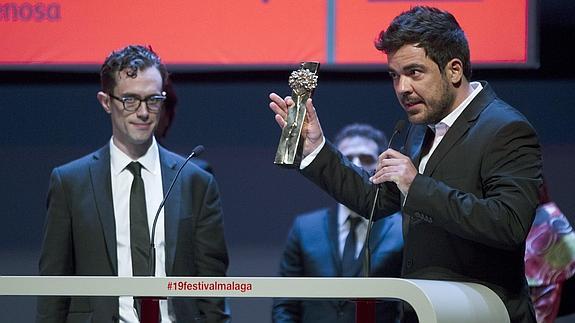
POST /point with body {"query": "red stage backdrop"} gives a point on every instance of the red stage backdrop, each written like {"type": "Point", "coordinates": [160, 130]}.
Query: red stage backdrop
{"type": "Point", "coordinates": [248, 32]}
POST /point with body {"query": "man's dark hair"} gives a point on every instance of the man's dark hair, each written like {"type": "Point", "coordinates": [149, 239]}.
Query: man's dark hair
{"type": "Point", "coordinates": [132, 58]}
{"type": "Point", "coordinates": [434, 30]}
{"type": "Point", "coordinates": [364, 131]}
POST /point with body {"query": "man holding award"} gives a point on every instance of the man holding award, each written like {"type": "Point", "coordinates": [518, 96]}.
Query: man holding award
{"type": "Point", "coordinates": [468, 177]}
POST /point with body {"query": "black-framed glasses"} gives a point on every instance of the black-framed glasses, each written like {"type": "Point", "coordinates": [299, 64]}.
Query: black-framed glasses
{"type": "Point", "coordinates": [132, 103]}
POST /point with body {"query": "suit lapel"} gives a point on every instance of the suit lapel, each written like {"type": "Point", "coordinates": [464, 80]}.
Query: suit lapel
{"type": "Point", "coordinates": [375, 239]}
{"type": "Point", "coordinates": [460, 127]}
{"type": "Point", "coordinates": [418, 137]}
{"type": "Point", "coordinates": [171, 207]}
{"type": "Point", "coordinates": [102, 187]}
{"type": "Point", "coordinates": [331, 230]}
{"type": "Point", "coordinates": [357, 268]}
{"type": "Point", "coordinates": [376, 235]}
{"type": "Point", "coordinates": [415, 138]}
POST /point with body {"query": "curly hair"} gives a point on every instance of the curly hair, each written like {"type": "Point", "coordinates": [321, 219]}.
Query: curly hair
{"type": "Point", "coordinates": [132, 58]}
{"type": "Point", "coordinates": [434, 30]}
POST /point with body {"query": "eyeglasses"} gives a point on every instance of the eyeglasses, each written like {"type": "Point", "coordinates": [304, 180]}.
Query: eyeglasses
{"type": "Point", "coordinates": [364, 159]}
{"type": "Point", "coordinates": [132, 103]}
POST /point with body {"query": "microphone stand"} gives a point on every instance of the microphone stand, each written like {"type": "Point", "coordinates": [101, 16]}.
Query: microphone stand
{"type": "Point", "coordinates": [152, 260]}
{"type": "Point", "coordinates": [367, 254]}
{"type": "Point", "coordinates": [365, 308]}
{"type": "Point", "coordinates": [150, 306]}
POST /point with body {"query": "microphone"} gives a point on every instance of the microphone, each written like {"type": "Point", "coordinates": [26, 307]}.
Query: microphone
{"type": "Point", "coordinates": [198, 150]}
{"type": "Point", "coordinates": [399, 126]}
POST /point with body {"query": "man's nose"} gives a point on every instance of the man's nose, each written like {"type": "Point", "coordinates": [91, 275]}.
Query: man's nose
{"type": "Point", "coordinates": [142, 111]}
{"type": "Point", "coordinates": [403, 85]}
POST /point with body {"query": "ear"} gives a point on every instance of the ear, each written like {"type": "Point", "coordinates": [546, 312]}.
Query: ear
{"type": "Point", "coordinates": [104, 100]}
{"type": "Point", "coordinates": [454, 71]}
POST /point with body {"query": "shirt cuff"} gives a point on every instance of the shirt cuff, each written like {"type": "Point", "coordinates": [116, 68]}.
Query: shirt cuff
{"type": "Point", "coordinates": [310, 158]}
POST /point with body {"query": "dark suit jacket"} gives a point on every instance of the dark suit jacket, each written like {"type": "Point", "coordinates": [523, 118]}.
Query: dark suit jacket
{"type": "Point", "coordinates": [80, 236]}
{"type": "Point", "coordinates": [466, 218]}
{"type": "Point", "coordinates": [312, 251]}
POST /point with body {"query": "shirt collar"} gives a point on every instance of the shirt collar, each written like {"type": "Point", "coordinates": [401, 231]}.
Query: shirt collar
{"type": "Point", "coordinates": [449, 120]}
{"type": "Point", "coordinates": [119, 160]}
{"type": "Point", "coordinates": [343, 212]}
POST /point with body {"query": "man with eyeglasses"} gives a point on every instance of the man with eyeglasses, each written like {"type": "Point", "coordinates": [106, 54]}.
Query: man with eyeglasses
{"type": "Point", "coordinates": [318, 242]}
{"type": "Point", "coordinates": [101, 207]}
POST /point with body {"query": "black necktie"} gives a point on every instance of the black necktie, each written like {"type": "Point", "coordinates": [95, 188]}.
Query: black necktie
{"type": "Point", "coordinates": [348, 258]}
{"type": "Point", "coordinates": [148, 309]}
{"type": "Point", "coordinates": [139, 232]}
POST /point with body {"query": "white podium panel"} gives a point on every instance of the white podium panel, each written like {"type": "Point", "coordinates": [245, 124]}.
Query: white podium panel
{"type": "Point", "coordinates": [433, 301]}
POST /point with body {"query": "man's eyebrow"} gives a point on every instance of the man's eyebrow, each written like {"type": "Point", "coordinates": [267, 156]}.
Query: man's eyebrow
{"type": "Point", "coordinates": [134, 95]}
{"type": "Point", "coordinates": [409, 67]}
{"type": "Point", "coordinates": [414, 66]}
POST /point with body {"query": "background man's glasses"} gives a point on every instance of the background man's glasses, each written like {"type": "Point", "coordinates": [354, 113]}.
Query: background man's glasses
{"type": "Point", "coordinates": [132, 103]}
{"type": "Point", "coordinates": [364, 159]}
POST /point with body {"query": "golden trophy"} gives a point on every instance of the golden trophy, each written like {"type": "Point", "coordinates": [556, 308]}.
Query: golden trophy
{"type": "Point", "coordinates": [302, 82]}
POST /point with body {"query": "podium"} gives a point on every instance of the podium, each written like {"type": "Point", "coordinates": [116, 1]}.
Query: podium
{"type": "Point", "coordinates": [433, 301]}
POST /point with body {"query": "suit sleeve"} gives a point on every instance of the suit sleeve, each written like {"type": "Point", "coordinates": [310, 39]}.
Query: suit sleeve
{"type": "Point", "coordinates": [57, 251]}
{"type": "Point", "coordinates": [350, 185]}
{"type": "Point", "coordinates": [211, 251]}
{"type": "Point", "coordinates": [287, 310]}
{"type": "Point", "coordinates": [500, 212]}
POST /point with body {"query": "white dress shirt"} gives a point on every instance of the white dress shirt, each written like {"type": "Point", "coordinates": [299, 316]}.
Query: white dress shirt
{"type": "Point", "coordinates": [121, 185]}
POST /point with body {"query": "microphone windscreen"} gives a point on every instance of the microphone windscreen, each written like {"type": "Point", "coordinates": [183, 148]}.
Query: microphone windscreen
{"type": "Point", "coordinates": [198, 150]}
{"type": "Point", "coordinates": [399, 126]}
